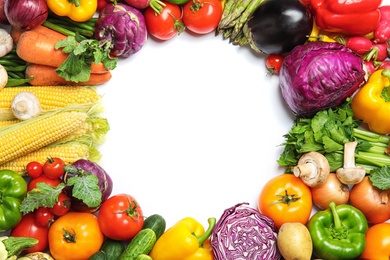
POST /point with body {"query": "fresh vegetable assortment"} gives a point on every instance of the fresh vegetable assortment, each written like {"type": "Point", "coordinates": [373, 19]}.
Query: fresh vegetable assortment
{"type": "Point", "coordinates": [330, 203]}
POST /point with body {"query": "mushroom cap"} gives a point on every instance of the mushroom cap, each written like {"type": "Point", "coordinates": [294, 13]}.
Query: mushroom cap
{"type": "Point", "coordinates": [352, 175]}
{"type": "Point", "coordinates": [313, 168]}
{"type": "Point", "coordinates": [25, 105]}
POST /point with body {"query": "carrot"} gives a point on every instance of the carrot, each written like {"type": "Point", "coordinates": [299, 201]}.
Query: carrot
{"type": "Point", "coordinates": [46, 75]}
{"type": "Point", "coordinates": [38, 46]}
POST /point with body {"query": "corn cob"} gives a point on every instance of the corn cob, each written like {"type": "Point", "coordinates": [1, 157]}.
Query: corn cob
{"type": "Point", "coordinates": [9, 122]}
{"type": "Point", "coordinates": [50, 97]}
{"type": "Point", "coordinates": [69, 152]}
{"type": "Point", "coordinates": [27, 136]}
{"type": "Point", "coordinates": [93, 129]}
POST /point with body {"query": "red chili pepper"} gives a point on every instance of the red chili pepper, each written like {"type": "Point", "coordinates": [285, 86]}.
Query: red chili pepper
{"type": "Point", "coordinates": [357, 17]}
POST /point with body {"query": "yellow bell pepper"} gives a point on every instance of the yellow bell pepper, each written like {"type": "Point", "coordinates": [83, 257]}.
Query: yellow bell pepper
{"type": "Point", "coordinates": [371, 103]}
{"type": "Point", "coordinates": [77, 10]}
{"type": "Point", "coordinates": [186, 240]}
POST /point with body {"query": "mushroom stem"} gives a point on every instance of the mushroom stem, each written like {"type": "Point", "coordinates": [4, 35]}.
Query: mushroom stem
{"type": "Point", "coordinates": [349, 154]}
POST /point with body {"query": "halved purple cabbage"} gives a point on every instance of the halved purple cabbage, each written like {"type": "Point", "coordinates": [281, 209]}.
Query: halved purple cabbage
{"type": "Point", "coordinates": [124, 26]}
{"type": "Point", "coordinates": [243, 232]}
{"type": "Point", "coordinates": [319, 75]}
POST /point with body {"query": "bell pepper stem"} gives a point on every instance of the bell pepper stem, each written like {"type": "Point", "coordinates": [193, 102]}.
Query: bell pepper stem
{"type": "Point", "coordinates": [338, 231]}
{"type": "Point", "coordinates": [208, 232]}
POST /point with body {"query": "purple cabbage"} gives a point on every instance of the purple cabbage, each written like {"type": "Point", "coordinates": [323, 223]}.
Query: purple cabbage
{"type": "Point", "coordinates": [243, 232]}
{"type": "Point", "coordinates": [104, 182]}
{"type": "Point", "coordinates": [124, 26]}
{"type": "Point", "coordinates": [319, 75]}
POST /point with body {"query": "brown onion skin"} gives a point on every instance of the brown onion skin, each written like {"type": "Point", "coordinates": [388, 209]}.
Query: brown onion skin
{"type": "Point", "coordinates": [331, 190]}
{"type": "Point", "coordinates": [371, 201]}
{"type": "Point", "coordinates": [26, 14]}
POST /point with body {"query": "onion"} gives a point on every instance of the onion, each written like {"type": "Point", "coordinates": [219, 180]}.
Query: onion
{"type": "Point", "coordinates": [243, 232]}
{"type": "Point", "coordinates": [26, 14]}
{"type": "Point", "coordinates": [371, 201]}
{"type": "Point", "coordinates": [331, 190]}
{"type": "Point", "coordinates": [3, 18]}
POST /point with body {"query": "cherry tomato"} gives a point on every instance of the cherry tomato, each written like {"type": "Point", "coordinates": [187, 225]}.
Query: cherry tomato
{"type": "Point", "coordinates": [34, 169]}
{"type": "Point", "coordinates": [43, 178]}
{"type": "Point", "coordinates": [165, 25]}
{"type": "Point", "coordinates": [28, 227]}
{"type": "Point", "coordinates": [202, 16]}
{"type": "Point", "coordinates": [377, 242]}
{"type": "Point", "coordinates": [285, 198]}
{"type": "Point", "coordinates": [62, 206]}
{"type": "Point", "coordinates": [75, 236]}
{"type": "Point", "coordinates": [44, 217]}
{"type": "Point", "coordinates": [273, 63]}
{"type": "Point", "coordinates": [54, 168]}
{"type": "Point", "coordinates": [120, 217]}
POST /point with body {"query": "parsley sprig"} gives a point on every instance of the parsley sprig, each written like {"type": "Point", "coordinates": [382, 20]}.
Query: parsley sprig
{"type": "Point", "coordinates": [82, 52]}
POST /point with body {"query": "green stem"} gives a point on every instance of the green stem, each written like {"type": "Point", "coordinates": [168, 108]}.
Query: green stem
{"type": "Point", "coordinates": [208, 232]}
{"type": "Point", "coordinates": [58, 28]}
{"type": "Point", "coordinates": [15, 245]}
{"type": "Point", "coordinates": [370, 136]}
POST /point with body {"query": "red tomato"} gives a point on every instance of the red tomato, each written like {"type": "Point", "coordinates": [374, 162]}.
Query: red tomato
{"type": "Point", "coordinates": [165, 25]}
{"type": "Point", "coordinates": [44, 217]}
{"type": "Point", "coordinates": [54, 168]}
{"type": "Point", "coordinates": [34, 169]}
{"type": "Point", "coordinates": [120, 217]}
{"type": "Point", "coordinates": [62, 206]}
{"type": "Point", "coordinates": [28, 227]}
{"type": "Point", "coordinates": [273, 63]}
{"type": "Point", "coordinates": [202, 16]}
{"type": "Point", "coordinates": [43, 178]}
{"type": "Point", "coordinates": [286, 198]}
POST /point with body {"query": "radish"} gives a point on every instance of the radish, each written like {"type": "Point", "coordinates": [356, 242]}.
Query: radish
{"type": "Point", "coordinates": [385, 12]}
{"type": "Point", "coordinates": [359, 44]}
{"type": "Point", "coordinates": [377, 53]}
{"type": "Point", "coordinates": [382, 31]}
{"type": "Point", "coordinates": [385, 64]}
{"type": "Point", "coordinates": [369, 67]}
{"type": "Point", "coordinates": [156, 5]}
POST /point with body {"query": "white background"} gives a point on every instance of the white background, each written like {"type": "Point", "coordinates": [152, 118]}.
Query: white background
{"type": "Point", "coordinates": [196, 125]}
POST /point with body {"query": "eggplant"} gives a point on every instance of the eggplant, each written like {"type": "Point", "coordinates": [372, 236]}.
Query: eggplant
{"type": "Point", "coordinates": [277, 26]}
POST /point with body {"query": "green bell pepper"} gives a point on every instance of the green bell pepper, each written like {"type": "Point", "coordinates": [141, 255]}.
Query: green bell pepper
{"type": "Point", "coordinates": [338, 232]}
{"type": "Point", "coordinates": [13, 189]}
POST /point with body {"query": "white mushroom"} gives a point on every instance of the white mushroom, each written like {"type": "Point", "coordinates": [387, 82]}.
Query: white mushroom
{"type": "Point", "coordinates": [3, 77]}
{"type": "Point", "coordinates": [25, 105]}
{"type": "Point", "coordinates": [313, 169]}
{"type": "Point", "coordinates": [6, 42]}
{"type": "Point", "coordinates": [350, 173]}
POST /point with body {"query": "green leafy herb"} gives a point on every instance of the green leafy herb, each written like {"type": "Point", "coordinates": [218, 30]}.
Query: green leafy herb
{"type": "Point", "coordinates": [380, 177]}
{"type": "Point", "coordinates": [84, 186]}
{"type": "Point", "coordinates": [82, 52]}
{"type": "Point", "coordinates": [327, 132]}
{"type": "Point", "coordinates": [43, 195]}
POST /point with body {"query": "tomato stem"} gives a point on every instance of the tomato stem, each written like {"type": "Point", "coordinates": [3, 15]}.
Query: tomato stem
{"type": "Point", "coordinates": [286, 199]}
{"type": "Point", "coordinates": [69, 237]}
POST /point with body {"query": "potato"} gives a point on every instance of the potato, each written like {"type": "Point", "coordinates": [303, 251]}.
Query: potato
{"type": "Point", "coordinates": [294, 241]}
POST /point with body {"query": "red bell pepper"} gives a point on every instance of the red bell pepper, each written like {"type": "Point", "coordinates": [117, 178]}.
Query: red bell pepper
{"type": "Point", "coordinates": [358, 17]}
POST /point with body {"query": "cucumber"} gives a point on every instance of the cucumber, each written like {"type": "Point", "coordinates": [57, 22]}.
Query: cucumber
{"type": "Point", "coordinates": [141, 243]}
{"type": "Point", "coordinates": [110, 250]}
{"type": "Point", "coordinates": [113, 248]}
{"type": "Point", "coordinates": [143, 257]}
{"type": "Point", "coordinates": [157, 223]}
